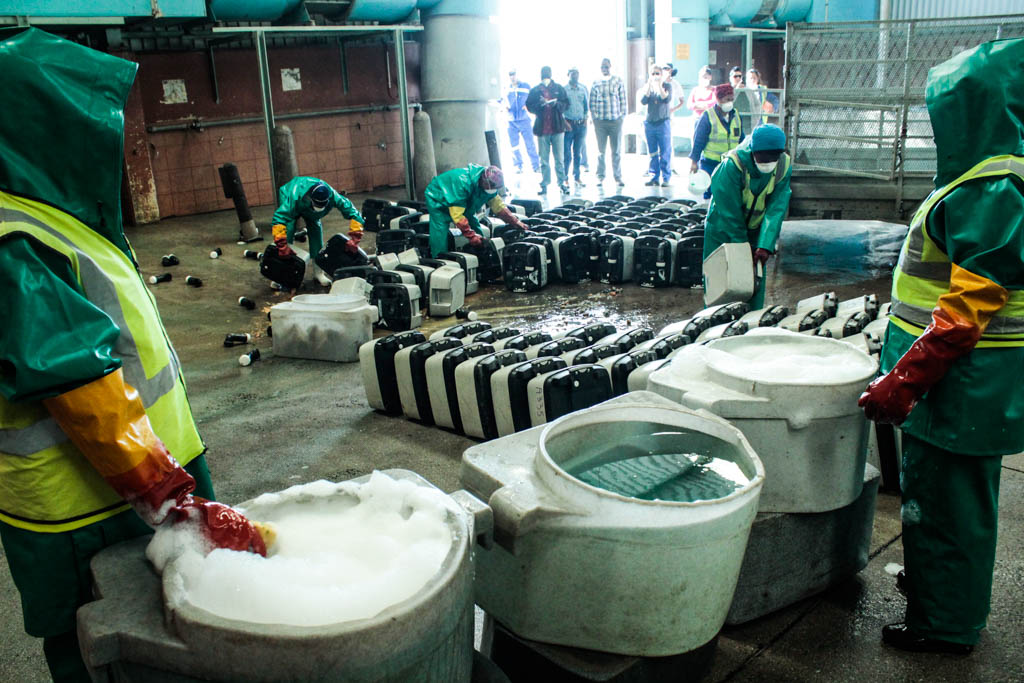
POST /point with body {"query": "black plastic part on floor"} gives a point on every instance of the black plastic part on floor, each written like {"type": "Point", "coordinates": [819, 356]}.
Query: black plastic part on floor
{"type": "Point", "coordinates": [527, 661]}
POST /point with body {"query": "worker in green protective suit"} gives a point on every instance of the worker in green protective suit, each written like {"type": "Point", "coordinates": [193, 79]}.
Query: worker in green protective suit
{"type": "Point", "coordinates": [97, 442]}
{"type": "Point", "coordinates": [312, 199]}
{"type": "Point", "coordinates": [954, 350]}
{"type": "Point", "coordinates": [749, 198]}
{"type": "Point", "coordinates": [453, 199]}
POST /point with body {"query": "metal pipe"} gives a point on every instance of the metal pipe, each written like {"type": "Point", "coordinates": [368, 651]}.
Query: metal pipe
{"type": "Point", "coordinates": [344, 66]}
{"type": "Point", "coordinates": [199, 124]}
{"type": "Point", "coordinates": [268, 100]}
{"type": "Point", "coordinates": [213, 74]}
{"type": "Point", "coordinates": [403, 103]}
{"type": "Point", "coordinates": [380, 28]}
{"type": "Point", "coordinates": [387, 62]}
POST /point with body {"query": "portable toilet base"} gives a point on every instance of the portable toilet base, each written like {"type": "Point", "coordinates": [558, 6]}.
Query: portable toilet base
{"type": "Point", "coordinates": [791, 556]}
{"type": "Point", "coordinates": [531, 660]}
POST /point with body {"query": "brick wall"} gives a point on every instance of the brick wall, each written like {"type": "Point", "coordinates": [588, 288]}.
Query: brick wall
{"type": "Point", "coordinates": [343, 150]}
{"type": "Point", "coordinates": [354, 152]}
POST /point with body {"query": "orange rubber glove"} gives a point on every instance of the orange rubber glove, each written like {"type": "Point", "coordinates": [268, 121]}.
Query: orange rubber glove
{"type": "Point", "coordinates": [957, 324]}
{"type": "Point", "coordinates": [355, 236]}
{"type": "Point", "coordinates": [107, 423]}
{"type": "Point", "coordinates": [280, 233]}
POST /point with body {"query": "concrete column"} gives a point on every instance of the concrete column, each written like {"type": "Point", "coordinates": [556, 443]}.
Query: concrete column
{"type": "Point", "coordinates": [458, 77]}
{"type": "Point", "coordinates": [282, 156]}
{"type": "Point", "coordinates": [138, 163]}
{"type": "Point", "coordinates": [424, 165]}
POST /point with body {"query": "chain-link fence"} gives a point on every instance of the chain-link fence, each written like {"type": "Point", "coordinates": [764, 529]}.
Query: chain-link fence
{"type": "Point", "coordinates": [855, 91]}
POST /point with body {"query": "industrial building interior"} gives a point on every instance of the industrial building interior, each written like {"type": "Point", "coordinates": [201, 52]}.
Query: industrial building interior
{"type": "Point", "coordinates": [233, 98]}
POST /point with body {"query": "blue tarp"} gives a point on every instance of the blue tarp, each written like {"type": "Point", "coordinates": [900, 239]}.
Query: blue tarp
{"type": "Point", "coordinates": [849, 250]}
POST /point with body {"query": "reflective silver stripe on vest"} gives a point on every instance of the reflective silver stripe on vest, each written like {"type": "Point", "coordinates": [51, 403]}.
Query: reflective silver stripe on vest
{"type": "Point", "coordinates": [910, 258]}
{"type": "Point", "coordinates": [32, 439]}
{"type": "Point", "coordinates": [103, 294]}
{"type": "Point", "coordinates": [922, 317]}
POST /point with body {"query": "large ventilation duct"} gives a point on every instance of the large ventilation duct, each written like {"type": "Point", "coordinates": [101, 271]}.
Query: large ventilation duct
{"type": "Point", "coordinates": [251, 10]}
{"type": "Point", "coordinates": [458, 76]}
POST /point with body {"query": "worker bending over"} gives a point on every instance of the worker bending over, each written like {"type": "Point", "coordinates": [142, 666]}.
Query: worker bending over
{"type": "Point", "coordinates": [312, 199]}
{"type": "Point", "coordinates": [455, 196]}
{"type": "Point", "coordinates": [954, 350]}
{"type": "Point", "coordinates": [749, 197]}
{"type": "Point", "coordinates": [97, 441]}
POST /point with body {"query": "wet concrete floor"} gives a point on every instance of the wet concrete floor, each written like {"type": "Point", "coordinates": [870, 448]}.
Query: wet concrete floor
{"type": "Point", "coordinates": [283, 421]}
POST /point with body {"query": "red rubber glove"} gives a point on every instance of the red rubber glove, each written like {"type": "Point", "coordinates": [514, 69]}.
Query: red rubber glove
{"type": "Point", "coordinates": [352, 246]}
{"type": "Point", "coordinates": [761, 256]}
{"type": "Point", "coordinates": [222, 526]}
{"type": "Point", "coordinates": [469, 233]}
{"type": "Point", "coordinates": [890, 398]}
{"type": "Point", "coordinates": [355, 236]}
{"type": "Point", "coordinates": [510, 218]}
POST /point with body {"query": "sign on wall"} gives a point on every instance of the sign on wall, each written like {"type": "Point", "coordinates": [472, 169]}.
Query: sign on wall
{"type": "Point", "coordinates": [291, 80]}
{"type": "Point", "coordinates": [174, 92]}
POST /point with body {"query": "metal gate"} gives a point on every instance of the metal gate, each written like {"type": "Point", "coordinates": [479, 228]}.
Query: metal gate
{"type": "Point", "coordinates": [855, 91]}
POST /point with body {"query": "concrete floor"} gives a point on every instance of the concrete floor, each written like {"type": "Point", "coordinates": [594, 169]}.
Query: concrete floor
{"type": "Point", "coordinates": [282, 422]}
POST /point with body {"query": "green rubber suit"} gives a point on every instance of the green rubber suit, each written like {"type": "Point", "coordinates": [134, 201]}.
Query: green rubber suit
{"type": "Point", "coordinates": [956, 434]}
{"type": "Point", "coordinates": [63, 149]}
{"type": "Point", "coordinates": [453, 195]}
{"type": "Point", "coordinates": [292, 202]}
{"type": "Point", "coordinates": [726, 220]}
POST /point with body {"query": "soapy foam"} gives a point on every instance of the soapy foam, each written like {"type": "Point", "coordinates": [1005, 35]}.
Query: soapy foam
{"type": "Point", "coordinates": [789, 358]}
{"type": "Point", "coordinates": [337, 558]}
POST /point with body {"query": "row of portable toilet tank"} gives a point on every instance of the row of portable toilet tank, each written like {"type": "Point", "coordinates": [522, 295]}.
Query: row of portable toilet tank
{"type": "Point", "coordinates": [487, 381]}
{"type": "Point", "coordinates": [405, 285]}
{"type": "Point", "coordinates": [652, 241]}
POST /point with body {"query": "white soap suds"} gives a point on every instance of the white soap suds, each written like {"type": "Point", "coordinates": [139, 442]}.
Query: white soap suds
{"type": "Point", "coordinates": [788, 357]}
{"type": "Point", "coordinates": [343, 552]}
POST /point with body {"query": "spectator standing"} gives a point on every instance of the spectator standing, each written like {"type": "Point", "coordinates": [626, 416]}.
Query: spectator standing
{"type": "Point", "coordinates": [657, 96]}
{"type": "Point", "coordinates": [761, 101]}
{"type": "Point", "coordinates": [736, 78]}
{"type": "Point", "coordinates": [548, 102]}
{"type": "Point", "coordinates": [702, 97]}
{"type": "Point", "coordinates": [718, 131]}
{"type": "Point", "coordinates": [607, 109]}
{"type": "Point", "coordinates": [576, 117]}
{"type": "Point", "coordinates": [519, 122]}
{"type": "Point", "coordinates": [676, 103]}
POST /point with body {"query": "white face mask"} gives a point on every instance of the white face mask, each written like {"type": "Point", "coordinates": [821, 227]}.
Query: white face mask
{"type": "Point", "coordinates": [766, 167]}
{"type": "Point", "coordinates": [490, 193]}
{"type": "Point", "coordinates": [546, 81]}
{"type": "Point", "coordinates": [727, 107]}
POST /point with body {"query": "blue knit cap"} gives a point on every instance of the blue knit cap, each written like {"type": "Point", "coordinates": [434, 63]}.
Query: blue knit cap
{"type": "Point", "coordinates": [767, 137]}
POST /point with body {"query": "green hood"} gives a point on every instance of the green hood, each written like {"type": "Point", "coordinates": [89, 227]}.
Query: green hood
{"type": "Point", "coordinates": [62, 130]}
{"type": "Point", "coordinates": [976, 106]}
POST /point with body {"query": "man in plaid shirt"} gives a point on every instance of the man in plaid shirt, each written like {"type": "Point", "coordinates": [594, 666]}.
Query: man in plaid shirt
{"type": "Point", "coordinates": [607, 109]}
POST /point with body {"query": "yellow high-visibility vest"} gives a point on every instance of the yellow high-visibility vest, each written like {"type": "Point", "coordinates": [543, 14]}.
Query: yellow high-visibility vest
{"type": "Point", "coordinates": [722, 137]}
{"type": "Point", "coordinates": [754, 205]}
{"type": "Point", "coordinates": [922, 274]}
{"type": "Point", "coordinates": [46, 484]}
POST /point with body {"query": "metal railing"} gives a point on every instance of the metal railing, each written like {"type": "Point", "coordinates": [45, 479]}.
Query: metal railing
{"type": "Point", "coordinates": [855, 92]}
{"type": "Point", "coordinates": [752, 109]}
